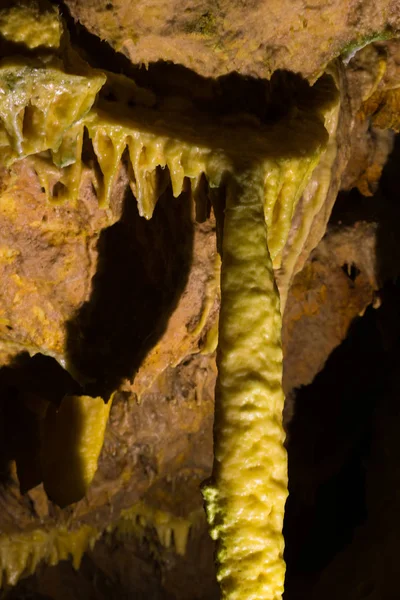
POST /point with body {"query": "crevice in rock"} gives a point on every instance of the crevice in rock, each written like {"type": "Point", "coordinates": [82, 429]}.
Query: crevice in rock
{"type": "Point", "coordinates": [142, 270]}
{"type": "Point", "coordinates": [26, 385]}
{"type": "Point", "coordinates": [351, 270]}
{"type": "Point", "coordinates": [330, 436]}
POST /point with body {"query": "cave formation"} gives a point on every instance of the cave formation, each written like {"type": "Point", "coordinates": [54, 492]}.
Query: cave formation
{"type": "Point", "coordinates": [124, 151]}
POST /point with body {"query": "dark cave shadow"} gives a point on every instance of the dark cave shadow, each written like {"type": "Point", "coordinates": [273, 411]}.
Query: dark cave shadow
{"type": "Point", "coordinates": [334, 436]}
{"type": "Point", "coordinates": [27, 384]}
{"type": "Point", "coordinates": [143, 267]}
{"type": "Point", "coordinates": [62, 464]}
{"type": "Point", "coordinates": [328, 445]}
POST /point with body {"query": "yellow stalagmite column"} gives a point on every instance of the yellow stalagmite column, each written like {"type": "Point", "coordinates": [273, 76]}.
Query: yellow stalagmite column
{"type": "Point", "coordinates": [246, 499]}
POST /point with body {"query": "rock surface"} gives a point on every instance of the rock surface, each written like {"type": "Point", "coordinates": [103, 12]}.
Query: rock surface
{"type": "Point", "coordinates": [254, 38]}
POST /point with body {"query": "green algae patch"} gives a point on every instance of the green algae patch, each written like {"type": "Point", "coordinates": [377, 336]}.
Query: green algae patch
{"type": "Point", "coordinates": [359, 43]}
{"type": "Point", "coordinates": [206, 25]}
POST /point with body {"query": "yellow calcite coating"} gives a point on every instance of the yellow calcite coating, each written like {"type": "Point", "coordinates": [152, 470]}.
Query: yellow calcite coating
{"type": "Point", "coordinates": [32, 24]}
{"type": "Point", "coordinates": [245, 503]}
{"type": "Point", "coordinates": [312, 201]}
{"type": "Point", "coordinates": [38, 104]}
{"type": "Point", "coordinates": [72, 441]}
{"type": "Point", "coordinates": [172, 531]}
{"type": "Point", "coordinates": [21, 553]}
